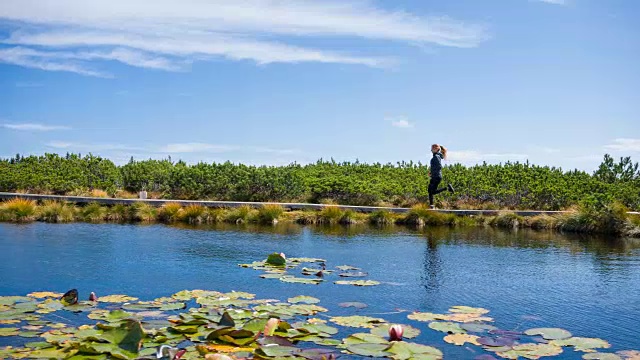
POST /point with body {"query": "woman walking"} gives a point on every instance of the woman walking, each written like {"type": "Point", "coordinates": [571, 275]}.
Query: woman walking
{"type": "Point", "coordinates": [439, 153]}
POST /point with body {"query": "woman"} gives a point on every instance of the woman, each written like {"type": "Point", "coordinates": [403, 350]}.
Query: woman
{"type": "Point", "coordinates": [439, 153]}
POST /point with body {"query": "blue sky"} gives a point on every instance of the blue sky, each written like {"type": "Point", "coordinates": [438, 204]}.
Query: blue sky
{"type": "Point", "coordinates": [272, 82]}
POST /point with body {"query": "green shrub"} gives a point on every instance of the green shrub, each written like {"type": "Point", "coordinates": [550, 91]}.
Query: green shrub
{"type": "Point", "coordinates": [193, 214]}
{"type": "Point", "coordinates": [330, 215]}
{"type": "Point", "coordinates": [92, 212]}
{"type": "Point", "coordinates": [56, 212]}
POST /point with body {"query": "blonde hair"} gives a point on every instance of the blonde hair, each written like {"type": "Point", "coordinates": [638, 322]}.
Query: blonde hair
{"type": "Point", "coordinates": [442, 149]}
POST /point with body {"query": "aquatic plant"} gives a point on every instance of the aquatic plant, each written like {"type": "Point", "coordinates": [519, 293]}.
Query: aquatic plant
{"type": "Point", "coordinates": [92, 212]}
{"type": "Point", "coordinates": [507, 220]}
{"type": "Point", "coordinates": [170, 212]}
{"type": "Point", "coordinates": [144, 212]}
{"type": "Point", "coordinates": [421, 214]}
{"type": "Point", "coordinates": [121, 213]}
{"type": "Point", "coordinates": [56, 212]}
{"type": "Point", "coordinates": [193, 214]}
{"type": "Point", "coordinates": [330, 215]}
{"type": "Point", "coordinates": [270, 213]}
{"type": "Point", "coordinates": [241, 214]}
{"type": "Point", "coordinates": [19, 210]}
{"type": "Point", "coordinates": [382, 217]}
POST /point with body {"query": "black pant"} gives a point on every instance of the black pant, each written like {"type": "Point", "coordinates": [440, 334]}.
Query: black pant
{"type": "Point", "coordinates": [433, 188]}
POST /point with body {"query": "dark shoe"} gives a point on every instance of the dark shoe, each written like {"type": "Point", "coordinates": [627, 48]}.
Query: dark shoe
{"type": "Point", "coordinates": [432, 207]}
{"type": "Point", "coordinates": [451, 189]}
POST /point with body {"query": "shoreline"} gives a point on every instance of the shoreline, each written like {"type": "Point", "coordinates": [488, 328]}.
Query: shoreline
{"type": "Point", "coordinates": [21, 208]}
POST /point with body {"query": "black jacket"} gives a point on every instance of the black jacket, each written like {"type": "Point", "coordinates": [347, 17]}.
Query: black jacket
{"type": "Point", "coordinates": [436, 165]}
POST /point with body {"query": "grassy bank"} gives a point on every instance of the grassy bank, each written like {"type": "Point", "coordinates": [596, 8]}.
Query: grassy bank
{"type": "Point", "coordinates": [610, 219]}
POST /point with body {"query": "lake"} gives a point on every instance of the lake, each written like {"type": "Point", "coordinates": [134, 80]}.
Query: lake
{"type": "Point", "coordinates": [587, 285]}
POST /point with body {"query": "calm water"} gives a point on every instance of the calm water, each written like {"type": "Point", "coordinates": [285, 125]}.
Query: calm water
{"type": "Point", "coordinates": [590, 286]}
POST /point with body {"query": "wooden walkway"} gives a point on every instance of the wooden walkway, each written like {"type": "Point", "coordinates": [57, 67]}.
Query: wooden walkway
{"type": "Point", "coordinates": [233, 204]}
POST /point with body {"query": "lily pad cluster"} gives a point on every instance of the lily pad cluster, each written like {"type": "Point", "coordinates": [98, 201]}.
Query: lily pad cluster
{"type": "Point", "coordinates": [278, 266]}
{"type": "Point", "coordinates": [196, 324]}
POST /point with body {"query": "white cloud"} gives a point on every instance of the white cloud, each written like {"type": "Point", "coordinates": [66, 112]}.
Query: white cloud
{"type": "Point", "coordinates": [474, 156]}
{"type": "Point", "coordinates": [628, 145]}
{"type": "Point", "coordinates": [401, 123]}
{"type": "Point", "coordinates": [166, 34]}
{"type": "Point", "coordinates": [16, 56]}
{"type": "Point", "coordinates": [71, 146]}
{"type": "Point", "coordinates": [34, 127]}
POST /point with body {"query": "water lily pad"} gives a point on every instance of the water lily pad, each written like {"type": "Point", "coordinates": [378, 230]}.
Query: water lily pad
{"type": "Point", "coordinates": [496, 341]}
{"type": "Point", "coordinates": [357, 321]}
{"type": "Point", "coordinates": [425, 316]}
{"type": "Point", "coordinates": [403, 350]}
{"type": "Point", "coordinates": [297, 280]}
{"type": "Point", "coordinates": [9, 331]}
{"type": "Point", "coordinates": [408, 331]}
{"type": "Point", "coordinates": [45, 294]}
{"type": "Point", "coordinates": [447, 327]}
{"type": "Point", "coordinates": [303, 299]}
{"type": "Point", "coordinates": [346, 267]}
{"type": "Point", "coordinates": [531, 351]}
{"type": "Point", "coordinates": [477, 327]}
{"type": "Point", "coordinates": [276, 259]}
{"type": "Point", "coordinates": [70, 297]}
{"type": "Point", "coordinates": [276, 351]}
{"type": "Point", "coordinates": [601, 356]}
{"type": "Point", "coordinates": [128, 336]}
{"type": "Point", "coordinates": [461, 339]}
{"type": "Point", "coordinates": [10, 300]}
{"type": "Point", "coordinates": [272, 275]}
{"type": "Point", "coordinates": [116, 298]}
{"type": "Point", "coordinates": [549, 333]}
{"type": "Point", "coordinates": [357, 305]}
{"type": "Point", "coordinates": [368, 349]}
{"type": "Point", "coordinates": [358, 282]}
{"type": "Point", "coordinates": [629, 354]}
{"type": "Point", "coordinates": [353, 274]}
{"type": "Point", "coordinates": [583, 344]}
{"type": "Point", "coordinates": [173, 306]}
{"type": "Point", "coordinates": [468, 310]}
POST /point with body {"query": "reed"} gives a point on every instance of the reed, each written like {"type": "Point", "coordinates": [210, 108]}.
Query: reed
{"type": "Point", "coordinates": [170, 212]}
{"type": "Point", "coordinates": [56, 212]}
{"type": "Point", "coordinates": [240, 214]}
{"type": "Point", "coordinates": [270, 213]}
{"type": "Point", "coordinates": [19, 210]}
{"type": "Point", "coordinates": [330, 215]}
{"type": "Point", "coordinates": [193, 214]}
{"type": "Point", "coordinates": [93, 212]}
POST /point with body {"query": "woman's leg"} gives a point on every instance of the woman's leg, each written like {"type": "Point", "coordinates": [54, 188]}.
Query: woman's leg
{"type": "Point", "coordinates": [433, 189]}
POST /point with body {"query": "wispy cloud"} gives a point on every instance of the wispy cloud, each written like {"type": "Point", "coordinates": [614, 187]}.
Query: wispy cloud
{"type": "Point", "coordinates": [168, 34]}
{"type": "Point", "coordinates": [628, 145]}
{"type": "Point", "coordinates": [34, 127]}
{"type": "Point", "coordinates": [174, 148]}
{"type": "Point", "coordinates": [71, 146]}
{"type": "Point", "coordinates": [475, 156]}
{"type": "Point", "coordinates": [401, 123]}
{"type": "Point", "coordinates": [18, 56]}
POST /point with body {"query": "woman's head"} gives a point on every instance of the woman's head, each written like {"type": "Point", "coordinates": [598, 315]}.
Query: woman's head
{"type": "Point", "coordinates": [436, 147]}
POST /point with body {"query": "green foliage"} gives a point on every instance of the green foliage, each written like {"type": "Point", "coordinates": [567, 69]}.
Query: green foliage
{"type": "Point", "coordinates": [144, 212]}
{"type": "Point", "coordinates": [422, 215]}
{"type": "Point", "coordinates": [170, 212]}
{"type": "Point", "coordinates": [193, 214]}
{"type": "Point", "coordinates": [597, 214]}
{"type": "Point", "coordinates": [56, 212]}
{"type": "Point", "coordinates": [270, 213]}
{"type": "Point", "coordinates": [240, 214]}
{"type": "Point", "coordinates": [507, 220]}
{"type": "Point", "coordinates": [330, 215]}
{"type": "Point", "coordinates": [382, 217]}
{"type": "Point", "coordinates": [93, 212]}
{"type": "Point", "coordinates": [503, 186]}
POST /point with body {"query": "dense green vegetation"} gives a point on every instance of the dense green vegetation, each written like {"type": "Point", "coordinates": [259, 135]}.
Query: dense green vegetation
{"type": "Point", "coordinates": [504, 186]}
